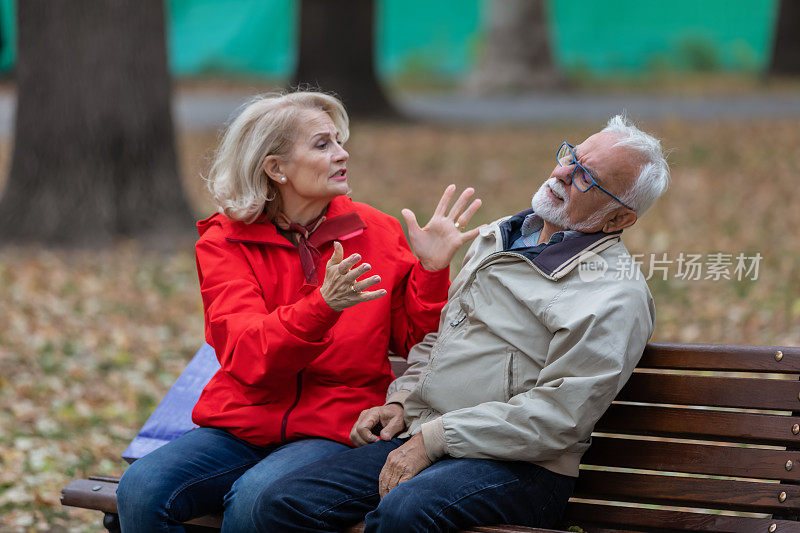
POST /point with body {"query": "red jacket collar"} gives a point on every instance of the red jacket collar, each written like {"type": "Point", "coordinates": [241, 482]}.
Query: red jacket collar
{"type": "Point", "coordinates": [263, 232]}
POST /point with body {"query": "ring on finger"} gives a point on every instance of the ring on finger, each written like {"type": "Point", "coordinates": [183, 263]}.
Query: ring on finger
{"type": "Point", "coordinates": [457, 225]}
{"type": "Point", "coordinates": [353, 288]}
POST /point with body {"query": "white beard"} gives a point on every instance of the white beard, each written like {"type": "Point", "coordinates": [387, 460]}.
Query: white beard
{"type": "Point", "coordinates": [555, 211]}
{"type": "Point", "coordinates": [552, 211]}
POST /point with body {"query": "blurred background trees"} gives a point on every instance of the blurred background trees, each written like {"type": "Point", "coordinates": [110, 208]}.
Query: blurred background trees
{"type": "Point", "coordinates": [336, 52]}
{"type": "Point", "coordinates": [94, 155]}
{"type": "Point", "coordinates": [517, 55]}
{"type": "Point", "coordinates": [785, 58]}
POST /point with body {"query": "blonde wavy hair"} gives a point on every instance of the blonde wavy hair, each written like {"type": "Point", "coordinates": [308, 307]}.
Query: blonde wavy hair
{"type": "Point", "coordinates": [268, 125]}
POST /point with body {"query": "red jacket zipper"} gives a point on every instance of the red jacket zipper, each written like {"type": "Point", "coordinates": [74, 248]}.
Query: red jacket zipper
{"type": "Point", "coordinates": [296, 401]}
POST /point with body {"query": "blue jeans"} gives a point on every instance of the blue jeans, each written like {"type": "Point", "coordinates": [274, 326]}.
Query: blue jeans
{"type": "Point", "coordinates": [450, 495]}
{"type": "Point", "coordinates": [205, 471]}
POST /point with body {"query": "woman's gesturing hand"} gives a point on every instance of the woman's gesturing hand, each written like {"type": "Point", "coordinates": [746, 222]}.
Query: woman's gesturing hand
{"type": "Point", "coordinates": [437, 243]}
{"type": "Point", "coordinates": [340, 289]}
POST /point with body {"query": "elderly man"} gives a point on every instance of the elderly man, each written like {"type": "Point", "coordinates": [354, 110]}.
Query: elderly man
{"type": "Point", "coordinates": [490, 422]}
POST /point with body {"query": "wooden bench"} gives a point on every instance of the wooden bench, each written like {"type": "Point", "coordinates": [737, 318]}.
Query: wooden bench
{"type": "Point", "coordinates": [702, 438]}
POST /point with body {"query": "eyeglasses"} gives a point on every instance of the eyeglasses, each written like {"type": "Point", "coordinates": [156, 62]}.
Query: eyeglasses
{"type": "Point", "coordinates": [581, 178]}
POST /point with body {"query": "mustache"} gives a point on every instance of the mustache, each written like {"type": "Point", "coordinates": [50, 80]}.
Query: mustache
{"type": "Point", "coordinates": [557, 188]}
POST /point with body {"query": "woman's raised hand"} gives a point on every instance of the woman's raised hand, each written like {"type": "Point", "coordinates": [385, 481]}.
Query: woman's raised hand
{"type": "Point", "coordinates": [437, 243]}
{"type": "Point", "coordinates": [341, 289]}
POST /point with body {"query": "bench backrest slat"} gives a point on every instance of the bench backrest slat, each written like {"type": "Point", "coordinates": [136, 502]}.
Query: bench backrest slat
{"type": "Point", "coordinates": [703, 424]}
{"type": "Point", "coordinates": [399, 365]}
{"type": "Point", "coordinates": [693, 458]}
{"type": "Point", "coordinates": [689, 491]}
{"type": "Point", "coordinates": [667, 520]}
{"type": "Point", "coordinates": [722, 357]}
{"type": "Point", "coordinates": [748, 393]}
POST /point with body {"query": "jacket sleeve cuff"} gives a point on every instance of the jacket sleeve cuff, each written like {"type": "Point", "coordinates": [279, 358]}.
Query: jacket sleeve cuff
{"type": "Point", "coordinates": [434, 440]}
{"type": "Point", "coordinates": [398, 397]}
{"type": "Point", "coordinates": [311, 318]}
{"type": "Point", "coordinates": [430, 285]}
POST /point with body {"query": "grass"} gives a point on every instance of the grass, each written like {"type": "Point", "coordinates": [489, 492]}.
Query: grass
{"type": "Point", "coordinates": [90, 341]}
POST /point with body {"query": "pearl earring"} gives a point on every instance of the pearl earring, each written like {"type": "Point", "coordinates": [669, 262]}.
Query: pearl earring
{"type": "Point", "coordinates": [283, 179]}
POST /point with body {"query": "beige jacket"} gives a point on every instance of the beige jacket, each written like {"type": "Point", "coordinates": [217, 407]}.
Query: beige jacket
{"type": "Point", "coordinates": [530, 350]}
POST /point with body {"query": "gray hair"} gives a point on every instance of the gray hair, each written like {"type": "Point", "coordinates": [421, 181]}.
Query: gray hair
{"type": "Point", "coordinates": [653, 177]}
{"type": "Point", "coordinates": [267, 125]}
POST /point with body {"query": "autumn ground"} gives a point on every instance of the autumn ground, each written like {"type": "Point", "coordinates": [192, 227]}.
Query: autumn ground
{"type": "Point", "coordinates": [90, 341]}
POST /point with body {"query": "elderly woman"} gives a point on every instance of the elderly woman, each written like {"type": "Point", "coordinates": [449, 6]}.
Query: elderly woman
{"type": "Point", "coordinates": [300, 330]}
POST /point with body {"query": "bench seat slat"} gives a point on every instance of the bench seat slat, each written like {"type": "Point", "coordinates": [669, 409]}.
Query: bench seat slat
{"type": "Point", "coordinates": [91, 494]}
{"type": "Point", "coordinates": [730, 358]}
{"type": "Point", "coordinates": [751, 393]}
{"type": "Point", "coordinates": [688, 491]}
{"type": "Point", "coordinates": [586, 514]}
{"type": "Point", "coordinates": [100, 493]}
{"type": "Point", "coordinates": [700, 423]}
{"type": "Point", "coordinates": [706, 459]}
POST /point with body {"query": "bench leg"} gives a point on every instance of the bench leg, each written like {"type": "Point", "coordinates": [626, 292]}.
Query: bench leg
{"type": "Point", "coordinates": [111, 522]}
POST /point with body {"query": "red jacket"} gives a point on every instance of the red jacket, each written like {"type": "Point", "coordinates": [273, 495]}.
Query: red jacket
{"type": "Point", "coordinates": [292, 367]}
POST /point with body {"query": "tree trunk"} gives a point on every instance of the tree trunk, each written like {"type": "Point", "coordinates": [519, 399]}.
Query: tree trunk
{"type": "Point", "coordinates": [337, 54]}
{"type": "Point", "coordinates": [786, 50]}
{"type": "Point", "coordinates": [94, 154]}
{"type": "Point", "coordinates": [517, 55]}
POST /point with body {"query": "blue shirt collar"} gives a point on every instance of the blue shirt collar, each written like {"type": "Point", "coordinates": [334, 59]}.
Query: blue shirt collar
{"type": "Point", "coordinates": [533, 224]}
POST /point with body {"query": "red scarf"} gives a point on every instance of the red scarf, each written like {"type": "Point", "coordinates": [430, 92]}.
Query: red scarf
{"type": "Point", "coordinates": [312, 236]}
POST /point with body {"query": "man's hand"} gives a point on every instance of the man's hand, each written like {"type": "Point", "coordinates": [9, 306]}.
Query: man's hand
{"type": "Point", "coordinates": [402, 464]}
{"type": "Point", "coordinates": [390, 417]}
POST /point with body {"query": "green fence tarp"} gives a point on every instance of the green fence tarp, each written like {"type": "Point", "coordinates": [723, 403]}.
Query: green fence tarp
{"type": "Point", "coordinates": [444, 37]}
{"type": "Point", "coordinates": [635, 36]}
